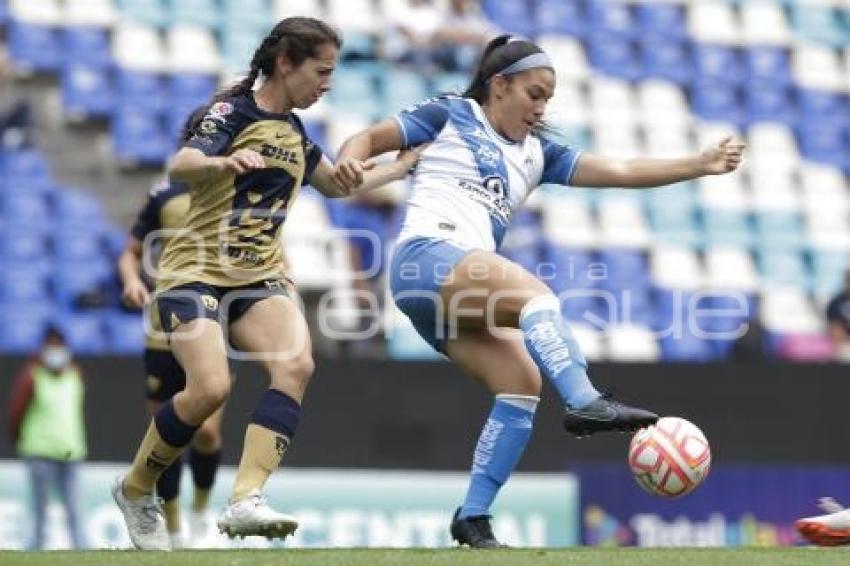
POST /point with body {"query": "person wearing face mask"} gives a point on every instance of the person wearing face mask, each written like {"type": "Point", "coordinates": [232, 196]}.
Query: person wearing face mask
{"type": "Point", "coordinates": [46, 420]}
{"type": "Point", "coordinates": [488, 150]}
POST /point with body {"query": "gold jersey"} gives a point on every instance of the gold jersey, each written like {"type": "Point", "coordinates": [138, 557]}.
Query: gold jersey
{"type": "Point", "coordinates": [231, 236]}
{"type": "Point", "coordinates": [162, 216]}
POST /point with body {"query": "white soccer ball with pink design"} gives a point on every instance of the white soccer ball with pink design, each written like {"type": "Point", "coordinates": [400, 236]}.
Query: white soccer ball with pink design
{"type": "Point", "coordinates": [670, 458]}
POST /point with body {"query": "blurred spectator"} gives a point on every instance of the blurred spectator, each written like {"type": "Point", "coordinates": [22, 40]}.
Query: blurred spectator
{"type": "Point", "coordinates": [15, 114]}
{"type": "Point", "coordinates": [48, 428]}
{"type": "Point", "coordinates": [838, 321]}
{"type": "Point", "coordinates": [431, 38]}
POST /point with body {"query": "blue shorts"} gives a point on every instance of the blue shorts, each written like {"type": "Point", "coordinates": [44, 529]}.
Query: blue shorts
{"type": "Point", "coordinates": [419, 268]}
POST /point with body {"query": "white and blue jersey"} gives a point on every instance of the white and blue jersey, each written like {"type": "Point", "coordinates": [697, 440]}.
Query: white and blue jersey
{"type": "Point", "coordinates": [470, 180]}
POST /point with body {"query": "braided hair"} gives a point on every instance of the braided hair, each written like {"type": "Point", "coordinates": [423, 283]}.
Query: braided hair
{"type": "Point", "coordinates": [501, 52]}
{"type": "Point", "coordinates": [297, 38]}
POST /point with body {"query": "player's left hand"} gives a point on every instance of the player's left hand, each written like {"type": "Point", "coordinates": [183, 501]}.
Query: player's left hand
{"type": "Point", "coordinates": [723, 157]}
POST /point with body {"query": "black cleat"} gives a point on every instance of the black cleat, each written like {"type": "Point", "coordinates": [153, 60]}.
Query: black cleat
{"type": "Point", "coordinates": [606, 414]}
{"type": "Point", "coordinates": [474, 532]}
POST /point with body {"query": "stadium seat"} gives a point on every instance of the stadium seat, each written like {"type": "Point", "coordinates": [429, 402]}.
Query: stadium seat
{"type": "Point", "coordinates": [763, 22]}
{"type": "Point", "coordinates": [766, 101]}
{"type": "Point", "coordinates": [125, 332]}
{"type": "Point", "coordinates": [34, 48]}
{"type": "Point", "coordinates": [512, 16]}
{"type": "Point", "coordinates": [730, 267]}
{"type": "Point", "coordinates": [779, 231]}
{"type": "Point", "coordinates": [25, 169]}
{"type": "Point", "coordinates": [589, 340]}
{"type": "Point", "coordinates": [204, 13]}
{"type": "Point", "coordinates": [561, 17]}
{"type": "Point", "coordinates": [713, 22]}
{"type": "Point", "coordinates": [675, 267]}
{"type": "Point", "coordinates": [661, 19]}
{"type": "Point", "coordinates": [37, 12]}
{"type": "Point", "coordinates": [622, 224]}
{"type": "Point", "coordinates": [22, 328]}
{"type": "Point", "coordinates": [147, 12]}
{"type": "Point", "coordinates": [715, 100]}
{"type": "Point", "coordinates": [191, 49]}
{"type": "Point", "coordinates": [828, 270]}
{"type": "Point", "coordinates": [567, 55]}
{"type": "Point", "coordinates": [402, 89]}
{"type": "Point", "coordinates": [823, 142]}
{"type": "Point", "coordinates": [665, 58]}
{"type": "Point", "coordinates": [818, 23]}
{"type": "Point", "coordinates": [71, 279]}
{"type": "Point", "coordinates": [86, 91]}
{"type": "Point", "coordinates": [95, 13]}
{"type": "Point", "coordinates": [614, 55]}
{"type": "Point", "coordinates": [356, 89]}
{"type": "Point", "coordinates": [86, 45]}
{"type": "Point", "coordinates": [354, 15]}
{"type": "Point", "coordinates": [83, 331]}
{"type": "Point", "coordinates": [685, 347]}
{"type": "Point", "coordinates": [783, 268]}
{"type": "Point", "coordinates": [725, 227]}
{"type": "Point", "coordinates": [610, 18]}
{"type": "Point", "coordinates": [568, 222]}
{"type": "Point", "coordinates": [817, 67]}
{"type": "Point", "coordinates": [309, 8]}
{"type": "Point", "coordinates": [77, 208]}
{"type": "Point", "coordinates": [766, 63]}
{"type": "Point", "coordinates": [788, 311]}
{"type": "Point", "coordinates": [21, 285]}
{"type": "Point", "coordinates": [139, 48]}
{"type": "Point", "coordinates": [138, 138]}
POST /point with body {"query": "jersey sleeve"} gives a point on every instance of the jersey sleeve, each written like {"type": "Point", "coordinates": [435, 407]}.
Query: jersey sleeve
{"type": "Point", "coordinates": [559, 163]}
{"type": "Point", "coordinates": [148, 219]}
{"type": "Point", "coordinates": [422, 123]}
{"type": "Point", "coordinates": [216, 132]}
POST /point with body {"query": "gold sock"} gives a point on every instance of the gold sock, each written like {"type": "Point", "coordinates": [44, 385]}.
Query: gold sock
{"type": "Point", "coordinates": [171, 510]}
{"type": "Point", "coordinates": [261, 455]}
{"type": "Point", "coordinates": [153, 457]}
{"type": "Point", "coordinates": [201, 500]}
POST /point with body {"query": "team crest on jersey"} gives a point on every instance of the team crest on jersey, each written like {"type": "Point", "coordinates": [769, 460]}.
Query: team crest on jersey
{"type": "Point", "coordinates": [488, 155]}
{"type": "Point", "coordinates": [208, 127]}
{"type": "Point", "coordinates": [221, 109]}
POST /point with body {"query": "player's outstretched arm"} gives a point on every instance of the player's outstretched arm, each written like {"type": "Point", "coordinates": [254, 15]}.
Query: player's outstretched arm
{"type": "Point", "coordinates": [375, 140]}
{"type": "Point", "coordinates": [595, 171]}
{"type": "Point", "coordinates": [372, 175]}
{"type": "Point", "coordinates": [191, 165]}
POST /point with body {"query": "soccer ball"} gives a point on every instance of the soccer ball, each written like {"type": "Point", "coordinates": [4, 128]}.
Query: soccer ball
{"type": "Point", "coordinates": [669, 458]}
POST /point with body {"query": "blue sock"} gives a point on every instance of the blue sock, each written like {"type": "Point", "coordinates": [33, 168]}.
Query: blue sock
{"type": "Point", "coordinates": [168, 484]}
{"type": "Point", "coordinates": [204, 467]}
{"type": "Point", "coordinates": [498, 451]}
{"type": "Point", "coordinates": [555, 351]}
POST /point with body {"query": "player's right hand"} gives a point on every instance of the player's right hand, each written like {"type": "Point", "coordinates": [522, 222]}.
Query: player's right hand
{"type": "Point", "coordinates": [135, 294]}
{"type": "Point", "coordinates": [348, 172]}
{"type": "Point", "coordinates": [243, 160]}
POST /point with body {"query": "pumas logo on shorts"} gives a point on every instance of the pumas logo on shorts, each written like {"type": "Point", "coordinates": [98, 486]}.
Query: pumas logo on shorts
{"type": "Point", "coordinates": [210, 303]}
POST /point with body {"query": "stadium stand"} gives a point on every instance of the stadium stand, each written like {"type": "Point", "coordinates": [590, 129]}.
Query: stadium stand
{"type": "Point", "coordinates": [652, 78]}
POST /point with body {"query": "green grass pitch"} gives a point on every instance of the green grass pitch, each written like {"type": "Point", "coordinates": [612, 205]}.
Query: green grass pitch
{"type": "Point", "coordinates": [442, 557]}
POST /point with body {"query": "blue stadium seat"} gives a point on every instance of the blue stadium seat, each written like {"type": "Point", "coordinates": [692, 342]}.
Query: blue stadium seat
{"type": "Point", "coordinates": [358, 46]}
{"type": "Point", "coordinates": [613, 55]}
{"type": "Point", "coordinates": [686, 348]}
{"type": "Point", "coordinates": [561, 17]}
{"type": "Point", "coordinates": [828, 269]}
{"type": "Point", "coordinates": [19, 285]}
{"type": "Point", "coordinates": [192, 85]}
{"type": "Point", "coordinates": [125, 332]}
{"type": "Point", "coordinates": [666, 58]}
{"type": "Point", "coordinates": [24, 207]}
{"type": "Point", "coordinates": [34, 48]}
{"type": "Point", "coordinates": [77, 245]}
{"type": "Point", "coordinates": [766, 101]}
{"type": "Point", "coordinates": [717, 100]}
{"type": "Point", "coordinates": [717, 63]}
{"type": "Point", "coordinates": [567, 268]}
{"type": "Point", "coordinates": [77, 208]}
{"type": "Point", "coordinates": [768, 64]}
{"type": "Point", "coordinates": [247, 14]}
{"type": "Point", "coordinates": [510, 15]}
{"type": "Point", "coordinates": [71, 279]}
{"type": "Point", "coordinates": [823, 141]}
{"type": "Point", "coordinates": [25, 169]}
{"type": "Point", "coordinates": [818, 23]}
{"type": "Point", "coordinates": [19, 245]}
{"type": "Point", "coordinates": [820, 105]}
{"type": "Point", "coordinates": [611, 18]}
{"type": "Point", "coordinates": [661, 19]}
{"type": "Point", "coordinates": [87, 45]}
{"type": "Point", "coordinates": [580, 306]}
{"type": "Point", "coordinates": [84, 332]}
{"type": "Point", "coordinates": [624, 269]}
{"type": "Point", "coordinates": [22, 328]}
{"type": "Point", "coordinates": [141, 88]}
{"type": "Point", "coordinates": [86, 91]}
{"type": "Point", "coordinates": [114, 240]}
{"type": "Point", "coordinates": [449, 83]}
{"type": "Point", "coordinates": [138, 137]}
{"type": "Point", "coordinates": [4, 12]}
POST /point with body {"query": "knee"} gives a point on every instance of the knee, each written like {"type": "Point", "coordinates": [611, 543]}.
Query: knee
{"type": "Point", "coordinates": [296, 371]}
{"type": "Point", "coordinates": [207, 437]}
{"type": "Point", "coordinates": [210, 393]}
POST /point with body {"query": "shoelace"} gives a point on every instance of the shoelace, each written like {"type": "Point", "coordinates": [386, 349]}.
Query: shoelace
{"type": "Point", "coordinates": [150, 511]}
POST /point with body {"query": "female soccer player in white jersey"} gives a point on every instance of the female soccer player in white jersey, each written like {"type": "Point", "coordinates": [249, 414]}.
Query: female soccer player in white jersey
{"type": "Point", "coordinates": [487, 314]}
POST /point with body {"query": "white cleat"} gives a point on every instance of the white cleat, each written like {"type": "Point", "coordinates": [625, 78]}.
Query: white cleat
{"type": "Point", "coordinates": [144, 520]}
{"type": "Point", "coordinates": [200, 528]}
{"type": "Point", "coordinates": [253, 516]}
{"type": "Point", "coordinates": [831, 529]}
{"type": "Point", "coordinates": [176, 540]}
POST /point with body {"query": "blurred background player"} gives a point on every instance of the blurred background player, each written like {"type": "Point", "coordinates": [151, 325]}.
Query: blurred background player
{"type": "Point", "coordinates": [486, 154]}
{"type": "Point", "coordinates": [162, 215]}
{"type": "Point", "coordinates": [223, 280]}
{"type": "Point", "coordinates": [47, 423]}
